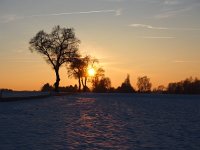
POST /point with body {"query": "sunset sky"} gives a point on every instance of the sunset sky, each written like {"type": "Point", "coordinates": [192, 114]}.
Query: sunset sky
{"type": "Point", "coordinates": [157, 38]}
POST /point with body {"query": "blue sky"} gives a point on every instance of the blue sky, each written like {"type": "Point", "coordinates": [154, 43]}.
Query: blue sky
{"type": "Point", "coordinates": [157, 38]}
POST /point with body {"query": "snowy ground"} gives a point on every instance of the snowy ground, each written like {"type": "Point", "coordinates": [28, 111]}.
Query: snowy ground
{"type": "Point", "coordinates": [102, 121]}
{"type": "Point", "coordinates": [11, 94]}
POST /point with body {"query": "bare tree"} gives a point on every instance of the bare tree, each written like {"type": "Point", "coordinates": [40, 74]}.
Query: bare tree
{"type": "Point", "coordinates": [78, 68]}
{"type": "Point", "coordinates": [89, 62]}
{"type": "Point", "coordinates": [144, 84]}
{"type": "Point", "coordinates": [58, 47]}
{"type": "Point", "coordinates": [100, 73]}
{"type": "Point", "coordinates": [75, 69]}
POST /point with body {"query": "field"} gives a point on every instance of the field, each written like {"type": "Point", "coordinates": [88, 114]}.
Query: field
{"type": "Point", "coordinates": [102, 121]}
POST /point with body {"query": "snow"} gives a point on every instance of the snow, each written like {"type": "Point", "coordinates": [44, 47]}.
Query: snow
{"type": "Point", "coordinates": [12, 94]}
{"type": "Point", "coordinates": [102, 121]}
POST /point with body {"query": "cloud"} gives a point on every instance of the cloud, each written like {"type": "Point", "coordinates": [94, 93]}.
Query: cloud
{"type": "Point", "coordinates": [171, 2]}
{"type": "Point", "coordinates": [165, 2]}
{"type": "Point", "coordinates": [184, 61]}
{"type": "Point", "coordinates": [186, 29]}
{"type": "Point", "coordinates": [10, 18]}
{"type": "Point", "coordinates": [173, 8]}
{"type": "Point", "coordinates": [147, 26]}
{"type": "Point", "coordinates": [136, 25]}
{"type": "Point", "coordinates": [74, 13]}
{"type": "Point", "coordinates": [172, 13]}
{"type": "Point", "coordinates": [118, 12]}
{"type": "Point", "coordinates": [158, 37]}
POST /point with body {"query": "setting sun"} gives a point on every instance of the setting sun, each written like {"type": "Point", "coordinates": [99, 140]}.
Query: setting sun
{"type": "Point", "coordinates": [91, 72]}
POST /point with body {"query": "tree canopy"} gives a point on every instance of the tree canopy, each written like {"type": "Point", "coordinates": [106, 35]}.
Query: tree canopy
{"type": "Point", "coordinates": [126, 86]}
{"type": "Point", "coordinates": [58, 47]}
{"type": "Point", "coordinates": [144, 84]}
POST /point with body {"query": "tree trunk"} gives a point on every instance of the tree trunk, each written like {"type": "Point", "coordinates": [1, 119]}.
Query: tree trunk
{"type": "Point", "coordinates": [56, 84]}
{"type": "Point", "coordinates": [83, 84]}
{"type": "Point", "coordinates": [85, 81]}
{"type": "Point", "coordinates": [79, 84]}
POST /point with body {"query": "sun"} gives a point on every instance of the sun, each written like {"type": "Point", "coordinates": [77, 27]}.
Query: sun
{"type": "Point", "coordinates": [91, 72]}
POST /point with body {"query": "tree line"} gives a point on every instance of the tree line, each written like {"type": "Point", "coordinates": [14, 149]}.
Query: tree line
{"type": "Point", "coordinates": [187, 86]}
{"type": "Point", "coordinates": [61, 47]}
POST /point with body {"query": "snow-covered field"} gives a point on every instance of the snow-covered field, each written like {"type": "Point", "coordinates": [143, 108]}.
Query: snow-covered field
{"type": "Point", "coordinates": [11, 94]}
{"type": "Point", "coordinates": [102, 121]}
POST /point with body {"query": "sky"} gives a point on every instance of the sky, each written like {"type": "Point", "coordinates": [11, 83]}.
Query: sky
{"type": "Point", "coordinates": [156, 38]}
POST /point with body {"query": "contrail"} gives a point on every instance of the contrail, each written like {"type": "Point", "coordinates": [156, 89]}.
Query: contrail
{"type": "Point", "coordinates": [147, 26]}
{"type": "Point", "coordinates": [74, 13]}
{"type": "Point", "coordinates": [10, 18]}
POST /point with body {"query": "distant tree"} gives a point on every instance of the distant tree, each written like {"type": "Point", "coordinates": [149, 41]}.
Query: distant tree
{"type": "Point", "coordinates": [70, 88]}
{"type": "Point", "coordinates": [103, 85]}
{"type": "Point", "coordinates": [160, 89]}
{"type": "Point", "coordinates": [126, 86]}
{"type": "Point", "coordinates": [89, 62]}
{"type": "Point", "coordinates": [100, 73]}
{"type": "Point", "coordinates": [58, 47]}
{"type": "Point", "coordinates": [1, 93]}
{"type": "Point", "coordinates": [75, 70]}
{"type": "Point", "coordinates": [196, 86]}
{"type": "Point", "coordinates": [78, 68]}
{"type": "Point", "coordinates": [187, 86]}
{"type": "Point", "coordinates": [46, 87]}
{"type": "Point", "coordinates": [144, 84]}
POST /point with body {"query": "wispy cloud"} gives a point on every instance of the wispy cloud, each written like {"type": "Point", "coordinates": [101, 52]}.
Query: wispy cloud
{"type": "Point", "coordinates": [171, 2]}
{"type": "Point", "coordinates": [165, 2]}
{"type": "Point", "coordinates": [185, 29]}
{"type": "Point", "coordinates": [173, 8]}
{"type": "Point", "coordinates": [118, 12]}
{"type": "Point", "coordinates": [147, 26]}
{"type": "Point", "coordinates": [158, 37]}
{"type": "Point", "coordinates": [75, 13]}
{"type": "Point", "coordinates": [172, 13]}
{"type": "Point", "coordinates": [10, 18]}
{"type": "Point", "coordinates": [185, 61]}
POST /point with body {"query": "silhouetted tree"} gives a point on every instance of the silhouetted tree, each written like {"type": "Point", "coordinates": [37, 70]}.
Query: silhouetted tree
{"type": "Point", "coordinates": [70, 88]}
{"type": "Point", "coordinates": [160, 89]}
{"type": "Point", "coordinates": [144, 84]}
{"type": "Point", "coordinates": [98, 75]}
{"type": "Point", "coordinates": [126, 86]}
{"type": "Point", "coordinates": [103, 85]}
{"type": "Point", "coordinates": [46, 87]}
{"type": "Point", "coordinates": [187, 86]}
{"type": "Point", "coordinates": [78, 68]}
{"type": "Point", "coordinates": [58, 47]}
{"type": "Point", "coordinates": [1, 93]}
{"type": "Point", "coordinates": [88, 61]}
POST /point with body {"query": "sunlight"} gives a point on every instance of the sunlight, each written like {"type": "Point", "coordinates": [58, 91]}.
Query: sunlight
{"type": "Point", "coordinates": [91, 72]}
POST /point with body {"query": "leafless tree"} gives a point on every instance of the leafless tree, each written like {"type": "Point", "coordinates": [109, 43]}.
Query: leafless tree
{"type": "Point", "coordinates": [75, 69]}
{"type": "Point", "coordinates": [58, 47]}
{"type": "Point", "coordinates": [78, 68]}
{"type": "Point", "coordinates": [144, 84]}
{"type": "Point", "coordinates": [100, 73]}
